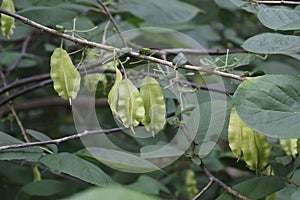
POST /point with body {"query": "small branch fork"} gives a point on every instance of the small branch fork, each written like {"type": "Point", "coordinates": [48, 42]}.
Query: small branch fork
{"type": "Point", "coordinates": [274, 2]}
{"type": "Point", "coordinates": [112, 21]}
{"type": "Point", "coordinates": [211, 177]}
{"type": "Point", "coordinates": [84, 42]}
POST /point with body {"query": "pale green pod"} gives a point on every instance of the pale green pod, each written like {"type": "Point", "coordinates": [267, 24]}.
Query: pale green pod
{"type": "Point", "coordinates": [66, 78]}
{"type": "Point", "coordinates": [254, 147]}
{"type": "Point", "coordinates": [289, 146]}
{"type": "Point", "coordinates": [130, 106]}
{"type": "Point", "coordinates": [235, 134]}
{"type": "Point", "coordinates": [154, 104]}
{"type": "Point", "coordinates": [7, 22]}
{"type": "Point", "coordinates": [113, 94]}
{"type": "Point", "coordinates": [298, 146]}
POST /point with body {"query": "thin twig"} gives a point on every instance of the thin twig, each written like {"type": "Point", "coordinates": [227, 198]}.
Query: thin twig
{"type": "Point", "coordinates": [114, 49]}
{"type": "Point", "coordinates": [291, 182]}
{"type": "Point", "coordinates": [21, 55]}
{"type": "Point", "coordinates": [53, 101]}
{"type": "Point", "coordinates": [24, 91]}
{"type": "Point", "coordinates": [60, 140]}
{"type": "Point", "coordinates": [273, 2]}
{"type": "Point", "coordinates": [203, 190]}
{"type": "Point", "coordinates": [23, 81]}
{"type": "Point", "coordinates": [197, 51]}
{"type": "Point", "coordinates": [11, 107]}
{"type": "Point", "coordinates": [113, 22]}
{"type": "Point", "coordinates": [105, 32]}
{"type": "Point", "coordinates": [220, 183]}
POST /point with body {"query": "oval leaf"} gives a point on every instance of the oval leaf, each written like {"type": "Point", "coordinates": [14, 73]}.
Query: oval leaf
{"type": "Point", "coordinates": [270, 105]}
{"type": "Point", "coordinates": [111, 193]}
{"type": "Point", "coordinates": [130, 106]}
{"type": "Point", "coordinates": [279, 19]}
{"type": "Point", "coordinates": [66, 78]}
{"type": "Point", "coordinates": [77, 167]}
{"type": "Point", "coordinates": [256, 188]}
{"type": "Point", "coordinates": [154, 104]}
{"type": "Point", "coordinates": [244, 141]}
{"type": "Point", "coordinates": [158, 11]}
{"type": "Point", "coordinates": [7, 22]}
{"type": "Point", "coordinates": [273, 43]}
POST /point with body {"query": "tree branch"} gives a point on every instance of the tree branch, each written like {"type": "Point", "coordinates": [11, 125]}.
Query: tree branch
{"type": "Point", "coordinates": [60, 140]}
{"type": "Point", "coordinates": [220, 183]}
{"type": "Point", "coordinates": [48, 102]}
{"type": "Point", "coordinates": [24, 91]}
{"type": "Point", "coordinates": [197, 51]}
{"type": "Point", "coordinates": [23, 81]}
{"type": "Point", "coordinates": [273, 2]}
{"type": "Point", "coordinates": [12, 109]}
{"type": "Point", "coordinates": [110, 48]}
{"type": "Point", "coordinates": [203, 190]}
{"type": "Point", "coordinates": [21, 55]}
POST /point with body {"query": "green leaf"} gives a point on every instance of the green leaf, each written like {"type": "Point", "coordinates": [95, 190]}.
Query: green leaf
{"type": "Point", "coordinates": [31, 154]}
{"type": "Point", "coordinates": [256, 188]}
{"type": "Point", "coordinates": [270, 105]}
{"type": "Point", "coordinates": [42, 137]}
{"type": "Point", "coordinates": [46, 16]}
{"type": "Point", "coordinates": [149, 185]}
{"type": "Point", "coordinates": [244, 141]}
{"type": "Point", "coordinates": [45, 187]}
{"type": "Point", "coordinates": [66, 78]}
{"type": "Point", "coordinates": [130, 106]}
{"type": "Point", "coordinates": [111, 193]}
{"type": "Point", "coordinates": [154, 104]}
{"type": "Point", "coordinates": [7, 22]}
{"type": "Point", "coordinates": [279, 18]}
{"type": "Point", "coordinates": [74, 166]}
{"type": "Point", "coordinates": [120, 160]}
{"type": "Point", "coordinates": [273, 43]}
{"type": "Point", "coordinates": [159, 11]}
{"type": "Point", "coordinates": [180, 60]}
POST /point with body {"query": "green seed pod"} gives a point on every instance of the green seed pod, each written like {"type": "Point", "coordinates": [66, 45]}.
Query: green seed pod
{"type": "Point", "coordinates": [155, 108]}
{"type": "Point", "coordinates": [7, 22]}
{"type": "Point", "coordinates": [244, 141]}
{"type": "Point", "coordinates": [298, 146]}
{"type": "Point", "coordinates": [113, 94]}
{"type": "Point", "coordinates": [66, 78]}
{"type": "Point", "coordinates": [130, 106]}
{"type": "Point", "coordinates": [289, 146]}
